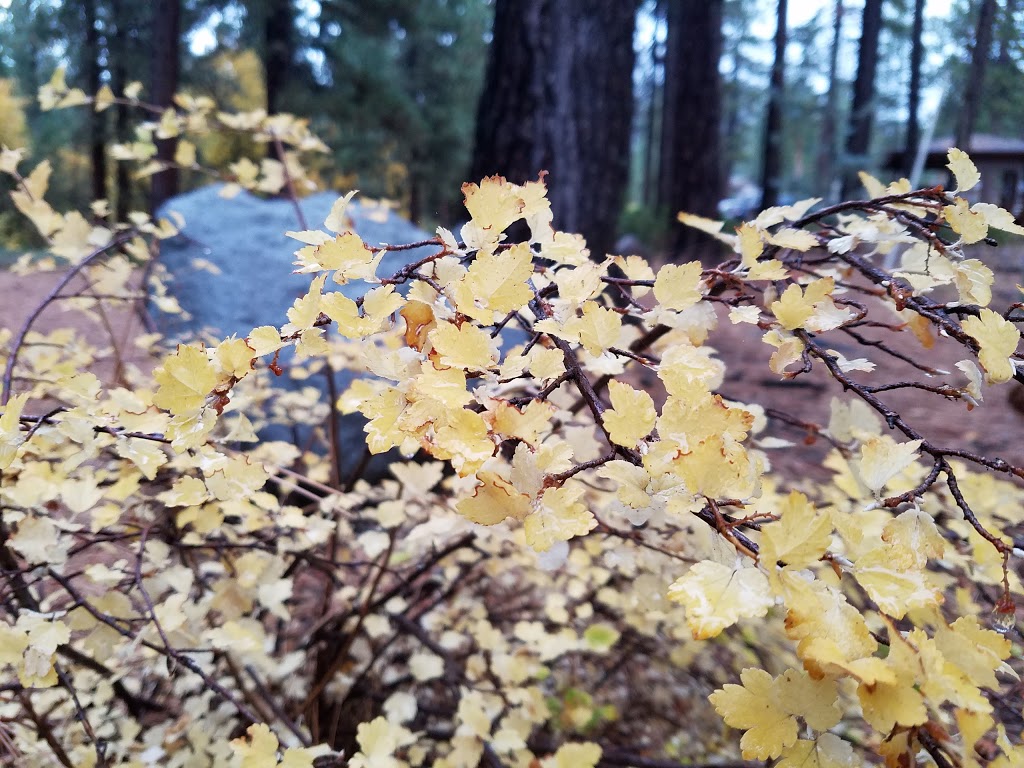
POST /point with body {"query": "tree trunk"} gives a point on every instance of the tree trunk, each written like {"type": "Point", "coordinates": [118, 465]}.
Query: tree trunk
{"type": "Point", "coordinates": [118, 43]}
{"type": "Point", "coordinates": [914, 97]}
{"type": "Point", "coordinates": [1007, 31]}
{"type": "Point", "coordinates": [277, 57]}
{"type": "Point", "coordinates": [651, 165]}
{"type": "Point", "coordinates": [166, 37]}
{"type": "Point", "coordinates": [858, 139]}
{"type": "Point", "coordinates": [827, 144]}
{"type": "Point", "coordinates": [976, 76]}
{"type": "Point", "coordinates": [97, 137]}
{"type": "Point", "coordinates": [558, 96]}
{"type": "Point", "coordinates": [771, 161]}
{"type": "Point", "coordinates": [691, 173]}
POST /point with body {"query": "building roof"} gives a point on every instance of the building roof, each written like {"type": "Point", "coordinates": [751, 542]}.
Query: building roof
{"type": "Point", "coordinates": [984, 146]}
{"type": "Point", "coordinates": [981, 144]}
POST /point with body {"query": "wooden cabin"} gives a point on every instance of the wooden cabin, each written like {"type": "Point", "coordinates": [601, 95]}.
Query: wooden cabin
{"type": "Point", "coordinates": [999, 159]}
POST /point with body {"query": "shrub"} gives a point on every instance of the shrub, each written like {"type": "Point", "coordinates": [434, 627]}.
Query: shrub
{"type": "Point", "coordinates": [565, 565]}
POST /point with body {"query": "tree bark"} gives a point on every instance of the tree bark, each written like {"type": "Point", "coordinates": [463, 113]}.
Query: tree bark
{"type": "Point", "coordinates": [651, 165]}
{"type": "Point", "coordinates": [279, 42]}
{"type": "Point", "coordinates": [771, 161]}
{"type": "Point", "coordinates": [691, 175]}
{"type": "Point", "coordinates": [118, 81]}
{"type": "Point", "coordinates": [976, 76]}
{"type": "Point", "coordinates": [914, 96]}
{"type": "Point", "coordinates": [1007, 31]}
{"type": "Point", "coordinates": [97, 134]}
{"type": "Point", "coordinates": [858, 139]}
{"type": "Point", "coordinates": [827, 145]}
{"type": "Point", "coordinates": [165, 68]}
{"type": "Point", "coordinates": [558, 96]}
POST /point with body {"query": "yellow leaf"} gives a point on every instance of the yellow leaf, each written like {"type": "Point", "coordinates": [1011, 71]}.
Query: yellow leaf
{"type": "Point", "coordinates": [467, 346]}
{"type": "Point", "coordinates": [827, 751]}
{"type": "Point", "coordinates": [636, 268]}
{"type": "Point", "coordinates": [797, 239]}
{"type": "Point", "coordinates": [913, 540]}
{"type": "Point", "coordinates": [976, 651]}
{"type": "Point", "coordinates": [348, 256]}
{"type": "Point", "coordinates": [632, 415]}
{"type": "Point", "coordinates": [494, 500]}
{"type": "Point", "coordinates": [710, 226]}
{"type": "Point", "coordinates": [679, 286]}
{"type": "Point", "coordinates": [185, 154]}
{"type": "Point", "coordinates": [896, 592]}
{"type": "Point", "coordinates": [259, 750]}
{"type": "Point", "coordinates": [716, 596]}
{"type": "Point", "coordinates": [998, 218]}
{"type": "Point", "coordinates": [104, 98]}
{"type": "Point", "coordinates": [558, 516]}
{"type": "Point", "coordinates": [974, 282]}
{"type": "Point", "coordinates": [816, 701]}
{"type": "Point", "coordinates": [147, 455]}
{"type": "Point", "coordinates": [873, 186]}
{"type": "Point", "coordinates": [495, 283]}
{"type": "Point", "coordinates": [895, 702]}
{"type": "Point", "coordinates": [264, 340]}
{"type": "Point", "coordinates": [493, 206]}
{"type": "Point", "coordinates": [751, 244]}
{"type": "Point", "coordinates": [186, 491]}
{"type": "Point", "coordinates": [37, 541]}
{"type": "Point", "coordinates": [580, 283]}
{"type": "Point", "coordinates": [598, 328]}
{"type": "Point", "coordinates": [882, 458]}
{"type": "Point", "coordinates": [184, 380]}
{"type": "Point", "coordinates": [527, 424]}
{"type": "Point", "coordinates": [792, 309]}
{"type": "Point", "coordinates": [378, 740]}
{"type": "Point", "coordinates": [338, 220]}
{"type": "Point", "coordinates": [972, 227]}
{"type": "Point", "coordinates": [11, 436]}
{"type": "Point", "coordinates": [753, 707]}
{"type": "Point", "coordinates": [963, 169]}
{"type": "Point", "coordinates": [581, 755]}
{"type": "Point", "coordinates": [817, 611]}
{"type": "Point", "coordinates": [235, 357]}
{"type": "Point", "coordinates": [465, 441]}
{"type": "Point", "coordinates": [800, 538]}
{"type": "Point", "coordinates": [306, 309]}
{"type": "Point", "coordinates": [168, 127]}
{"type": "Point", "coordinates": [997, 339]}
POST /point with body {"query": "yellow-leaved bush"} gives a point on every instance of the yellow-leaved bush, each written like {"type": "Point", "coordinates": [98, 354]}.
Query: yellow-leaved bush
{"type": "Point", "coordinates": [561, 566]}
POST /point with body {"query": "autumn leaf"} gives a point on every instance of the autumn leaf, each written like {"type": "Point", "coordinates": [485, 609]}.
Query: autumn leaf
{"type": "Point", "coordinates": [716, 596]}
{"type": "Point", "coordinates": [963, 169]}
{"type": "Point", "coordinates": [753, 707]}
{"type": "Point", "coordinates": [882, 458]}
{"type": "Point", "coordinates": [800, 537]}
{"type": "Point", "coordinates": [185, 380]}
{"type": "Point", "coordinates": [679, 286]}
{"type": "Point", "coordinates": [631, 417]}
{"type": "Point", "coordinates": [997, 341]}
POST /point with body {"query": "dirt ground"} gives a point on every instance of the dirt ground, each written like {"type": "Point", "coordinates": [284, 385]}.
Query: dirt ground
{"type": "Point", "coordinates": [21, 294]}
{"type": "Point", "coordinates": [994, 429]}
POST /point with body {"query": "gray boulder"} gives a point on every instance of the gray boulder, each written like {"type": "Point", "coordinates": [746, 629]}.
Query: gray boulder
{"type": "Point", "coordinates": [244, 238]}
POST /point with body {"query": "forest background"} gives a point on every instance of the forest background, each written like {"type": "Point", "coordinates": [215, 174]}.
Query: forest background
{"type": "Point", "coordinates": [782, 100]}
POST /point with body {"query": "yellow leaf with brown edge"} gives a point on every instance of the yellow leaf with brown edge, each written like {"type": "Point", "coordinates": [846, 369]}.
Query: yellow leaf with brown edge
{"type": "Point", "coordinates": [494, 500]}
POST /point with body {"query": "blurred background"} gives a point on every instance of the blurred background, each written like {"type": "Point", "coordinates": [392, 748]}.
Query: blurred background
{"type": "Point", "coordinates": [636, 109]}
